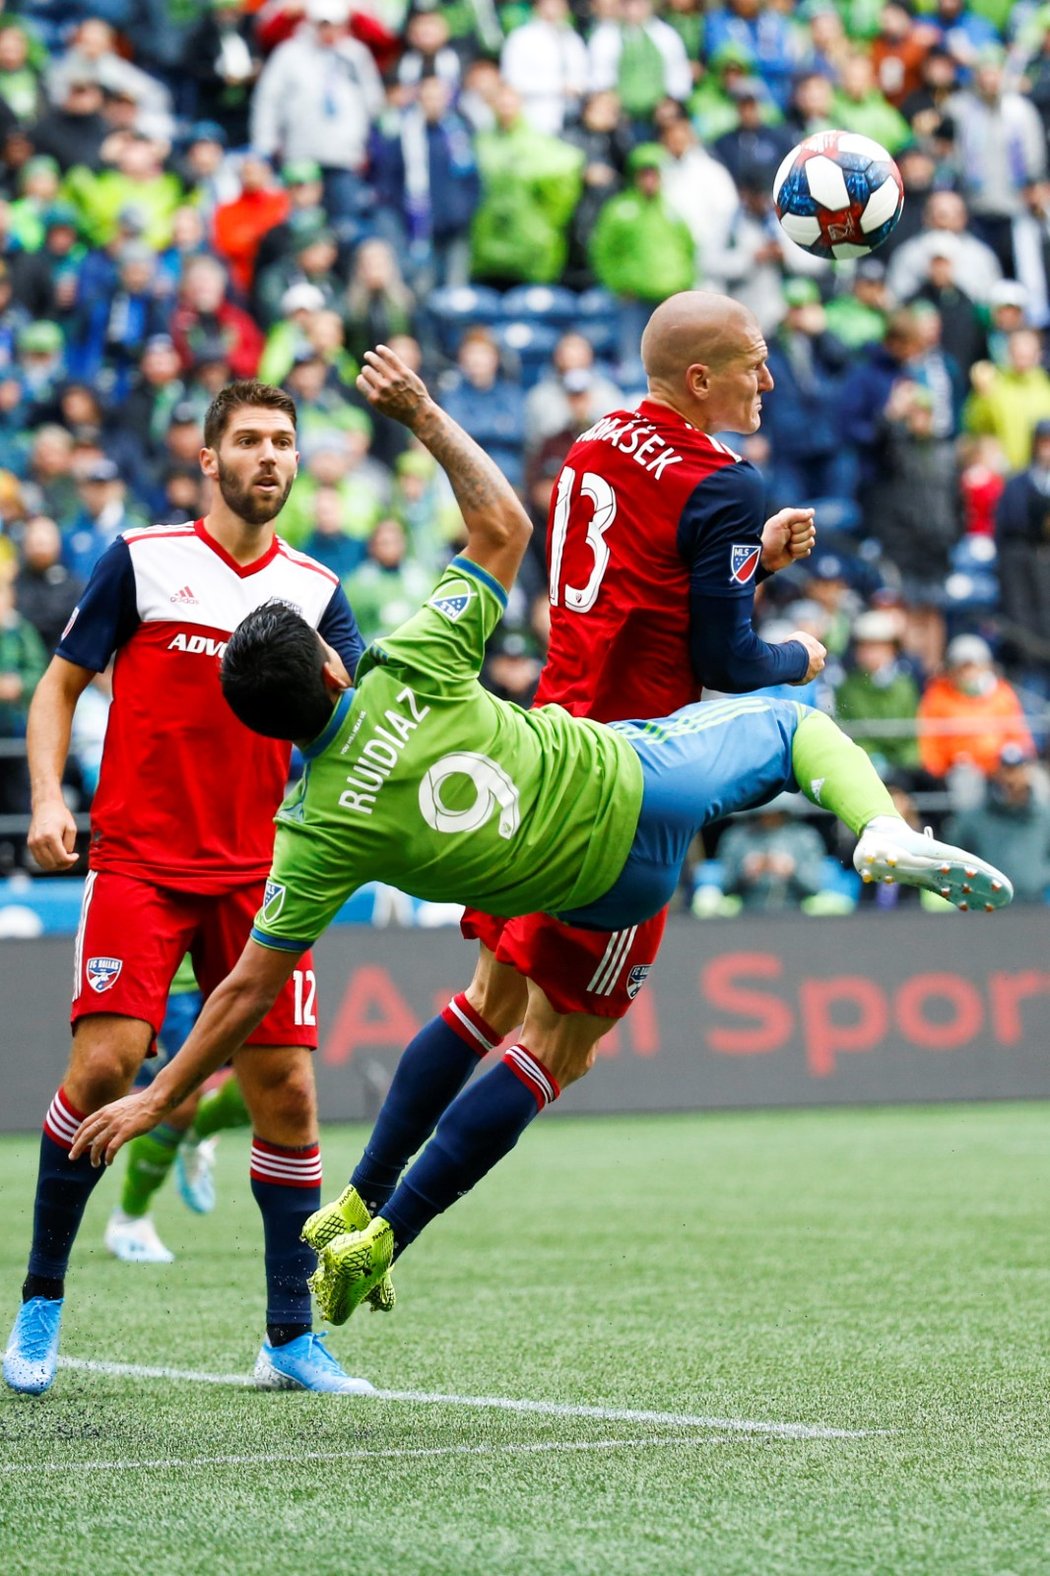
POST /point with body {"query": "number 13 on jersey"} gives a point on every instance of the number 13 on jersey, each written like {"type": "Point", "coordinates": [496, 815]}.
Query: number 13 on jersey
{"type": "Point", "coordinates": [568, 510]}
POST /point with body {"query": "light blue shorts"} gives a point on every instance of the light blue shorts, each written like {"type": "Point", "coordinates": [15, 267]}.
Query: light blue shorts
{"type": "Point", "coordinates": [700, 764]}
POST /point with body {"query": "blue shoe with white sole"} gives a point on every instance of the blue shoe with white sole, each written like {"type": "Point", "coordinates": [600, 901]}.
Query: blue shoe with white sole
{"type": "Point", "coordinates": [304, 1364]}
{"type": "Point", "coordinates": [31, 1357]}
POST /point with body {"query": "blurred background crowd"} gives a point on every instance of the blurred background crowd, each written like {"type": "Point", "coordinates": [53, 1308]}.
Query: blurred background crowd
{"type": "Point", "coordinates": [195, 190]}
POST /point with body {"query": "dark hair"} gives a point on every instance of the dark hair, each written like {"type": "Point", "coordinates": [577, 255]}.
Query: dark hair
{"type": "Point", "coordinates": [245, 391]}
{"type": "Point", "coordinates": [271, 674]}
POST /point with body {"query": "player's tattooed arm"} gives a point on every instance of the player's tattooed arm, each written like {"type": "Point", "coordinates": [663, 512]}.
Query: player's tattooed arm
{"type": "Point", "coordinates": [231, 1013]}
{"type": "Point", "coordinates": [498, 528]}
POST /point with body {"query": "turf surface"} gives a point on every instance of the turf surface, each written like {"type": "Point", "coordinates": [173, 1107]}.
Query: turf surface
{"type": "Point", "coordinates": [878, 1270]}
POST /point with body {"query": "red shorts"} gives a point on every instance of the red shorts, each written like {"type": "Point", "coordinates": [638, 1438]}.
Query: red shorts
{"type": "Point", "coordinates": [595, 971]}
{"type": "Point", "coordinates": [133, 936]}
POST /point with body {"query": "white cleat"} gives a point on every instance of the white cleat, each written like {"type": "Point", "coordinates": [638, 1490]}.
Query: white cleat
{"type": "Point", "coordinates": [890, 851]}
{"type": "Point", "coordinates": [133, 1239]}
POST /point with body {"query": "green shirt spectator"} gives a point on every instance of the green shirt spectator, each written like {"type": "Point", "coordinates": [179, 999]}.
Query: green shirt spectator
{"type": "Point", "coordinates": [1007, 401]}
{"type": "Point", "coordinates": [860, 107]}
{"type": "Point", "coordinates": [338, 460]}
{"type": "Point", "coordinates": [530, 185]}
{"type": "Point", "coordinates": [389, 586]}
{"type": "Point", "coordinates": [639, 247]}
{"type": "Point", "coordinates": [859, 317]}
{"type": "Point", "coordinates": [877, 688]}
{"type": "Point", "coordinates": [38, 188]}
{"type": "Point", "coordinates": [22, 663]}
{"type": "Point", "coordinates": [19, 77]}
{"type": "Point", "coordinates": [139, 182]}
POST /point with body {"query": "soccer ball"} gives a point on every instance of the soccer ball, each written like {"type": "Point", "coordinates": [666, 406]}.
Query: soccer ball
{"type": "Point", "coordinates": [838, 195]}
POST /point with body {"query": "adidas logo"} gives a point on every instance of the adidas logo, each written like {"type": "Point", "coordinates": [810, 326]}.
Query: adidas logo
{"type": "Point", "coordinates": [186, 597]}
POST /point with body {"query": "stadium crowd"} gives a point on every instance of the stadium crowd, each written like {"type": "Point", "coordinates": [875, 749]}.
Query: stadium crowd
{"type": "Point", "coordinates": [209, 189]}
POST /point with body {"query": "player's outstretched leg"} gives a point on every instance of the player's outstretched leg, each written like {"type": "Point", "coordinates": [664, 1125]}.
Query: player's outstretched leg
{"type": "Point", "coordinates": [349, 1213]}
{"type": "Point", "coordinates": [433, 1068]}
{"type": "Point", "coordinates": [481, 1126]}
{"type": "Point", "coordinates": [836, 774]}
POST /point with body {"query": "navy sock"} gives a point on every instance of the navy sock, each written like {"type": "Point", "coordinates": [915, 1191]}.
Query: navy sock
{"type": "Point", "coordinates": [286, 1184]}
{"type": "Point", "coordinates": [432, 1070]}
{"type": "Point", "coordinates": [62, 1192]}
{"type": "Point", "coordinates": [478, 1129]}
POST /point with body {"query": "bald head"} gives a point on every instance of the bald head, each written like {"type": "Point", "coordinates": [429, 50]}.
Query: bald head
{"type": "Point", "coordinates": [695, 326]}
{"type": "Point", "coordinates": [704, 355]}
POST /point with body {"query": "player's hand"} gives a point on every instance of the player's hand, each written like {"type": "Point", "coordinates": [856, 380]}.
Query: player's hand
{"type": "Point", "coordinates": [391, 387]}
{"type": "Point", "coordinates": [108, 1130]}
{"type": "Point", "coordinates": [817, 655]}
{"type": "Point", "coordinates": [788, 535]}
{"type": "Point", "coordinates": [53, 835]}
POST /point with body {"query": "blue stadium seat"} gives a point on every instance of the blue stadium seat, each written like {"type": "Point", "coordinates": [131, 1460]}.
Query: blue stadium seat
{"type": "Point", "coordinates": [531, 345]}
{"type": "Point", "coordinates": [544, 304]}
{"type": "Point", "coordinates": [603, 337]}
{"type": "Point", "coordinates": [972, 584]}
{"type": "Point", "coordinates": [592, 305]}
{"type": "Point", "coordinates": [458, 307]}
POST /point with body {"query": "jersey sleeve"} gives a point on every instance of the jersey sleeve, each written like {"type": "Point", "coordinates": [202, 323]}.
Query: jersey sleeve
{"type": "Point", "coordinates": [107, 614]}
{"type": "Point", "coordinates": [442, 647]}
{"type": "Point", "coordinates": [304, 891]}
{"type": "Point", "coordinates": [720, 538]}
{"type": "Point", "coordinates": [338, 627]}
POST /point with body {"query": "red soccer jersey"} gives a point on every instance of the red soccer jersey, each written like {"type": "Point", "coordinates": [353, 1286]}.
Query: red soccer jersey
{"type": "Point", "coordinates": [186, 793]}
{"type": "Point", "coordinates": [653, 543]}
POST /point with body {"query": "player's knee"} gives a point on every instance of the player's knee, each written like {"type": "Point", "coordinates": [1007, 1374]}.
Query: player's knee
{"type": "Point", "coordinates": [103, 1063]}
{"type": "Point", "coordinates": [568, 1064]}
{"type": "Point", "coordinates": [499, 995]}
{"type": "Point", "coordinates": [98, 1074]}
{"type": "Point", "coordinates": [283, 1104]}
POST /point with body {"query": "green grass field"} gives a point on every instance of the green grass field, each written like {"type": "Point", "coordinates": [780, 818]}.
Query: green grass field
{"type": "Point", "coordinates": [880, 1278]}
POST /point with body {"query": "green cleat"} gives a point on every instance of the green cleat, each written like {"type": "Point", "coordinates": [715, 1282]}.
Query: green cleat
{"type": "Point", "coordinates": [349, 1213]}
{"type": "Point", "coordinates": [350, 1267]}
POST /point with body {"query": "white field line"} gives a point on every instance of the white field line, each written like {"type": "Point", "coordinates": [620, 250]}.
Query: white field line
{"type": "Point", "coordinates": [605, 1414]}
{"type": "Point", "coordinates": [394, 1453]}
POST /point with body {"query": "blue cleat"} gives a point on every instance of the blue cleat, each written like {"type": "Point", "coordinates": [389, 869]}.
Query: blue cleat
{"type": "Point", "coordinates": [32, 1351]}
{"type": "Point", "coordinates": [303, 1364]}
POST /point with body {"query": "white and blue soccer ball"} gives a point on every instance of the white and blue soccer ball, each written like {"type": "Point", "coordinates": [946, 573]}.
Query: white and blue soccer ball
{"type": "Point", "coordinates": [838, 195]}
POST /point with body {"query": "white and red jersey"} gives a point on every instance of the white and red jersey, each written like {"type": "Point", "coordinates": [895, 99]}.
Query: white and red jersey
{"type": "Point", "coordinates": [653, 546]}
{"type": "Point", "coordinates": [187, 794]}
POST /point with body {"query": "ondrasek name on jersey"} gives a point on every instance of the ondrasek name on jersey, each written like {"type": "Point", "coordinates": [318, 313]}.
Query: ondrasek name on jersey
{"type": "Point", "coordinates": [636, 438]}
{"type": "Point", "coordinates": [381, 752]}
{"type": "Point", "coordinates": [198, 645]}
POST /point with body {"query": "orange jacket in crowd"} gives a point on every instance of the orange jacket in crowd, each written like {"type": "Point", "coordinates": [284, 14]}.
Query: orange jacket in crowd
{"type": "Point", "coordinates": [979, 726]}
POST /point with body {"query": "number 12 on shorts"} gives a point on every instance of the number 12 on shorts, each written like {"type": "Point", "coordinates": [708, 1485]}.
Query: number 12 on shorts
{"type": "Point", "coordinates": [304, 984]}
{"type": "Point", "coordinates": [594, 487]}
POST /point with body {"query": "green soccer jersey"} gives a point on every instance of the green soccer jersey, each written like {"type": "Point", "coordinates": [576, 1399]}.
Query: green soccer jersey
{"type": "Point", "coordinates": [424, 780]}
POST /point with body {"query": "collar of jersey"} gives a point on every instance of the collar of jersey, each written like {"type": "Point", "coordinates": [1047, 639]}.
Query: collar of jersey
{"type": "Point", "coordinates": [310, 751]}
{"type": "Point", "coordinates": [652, 410]}
{"type": "Point", "coordinates": [241, 570]}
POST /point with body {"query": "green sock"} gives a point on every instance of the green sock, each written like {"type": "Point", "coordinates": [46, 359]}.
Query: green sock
{"type": "Point", "coordinates": [835, 773]}
{"type": "Point", "coordinates": [150, 1158]}
{"type": "Point", "coordinates": [220, 1108]}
